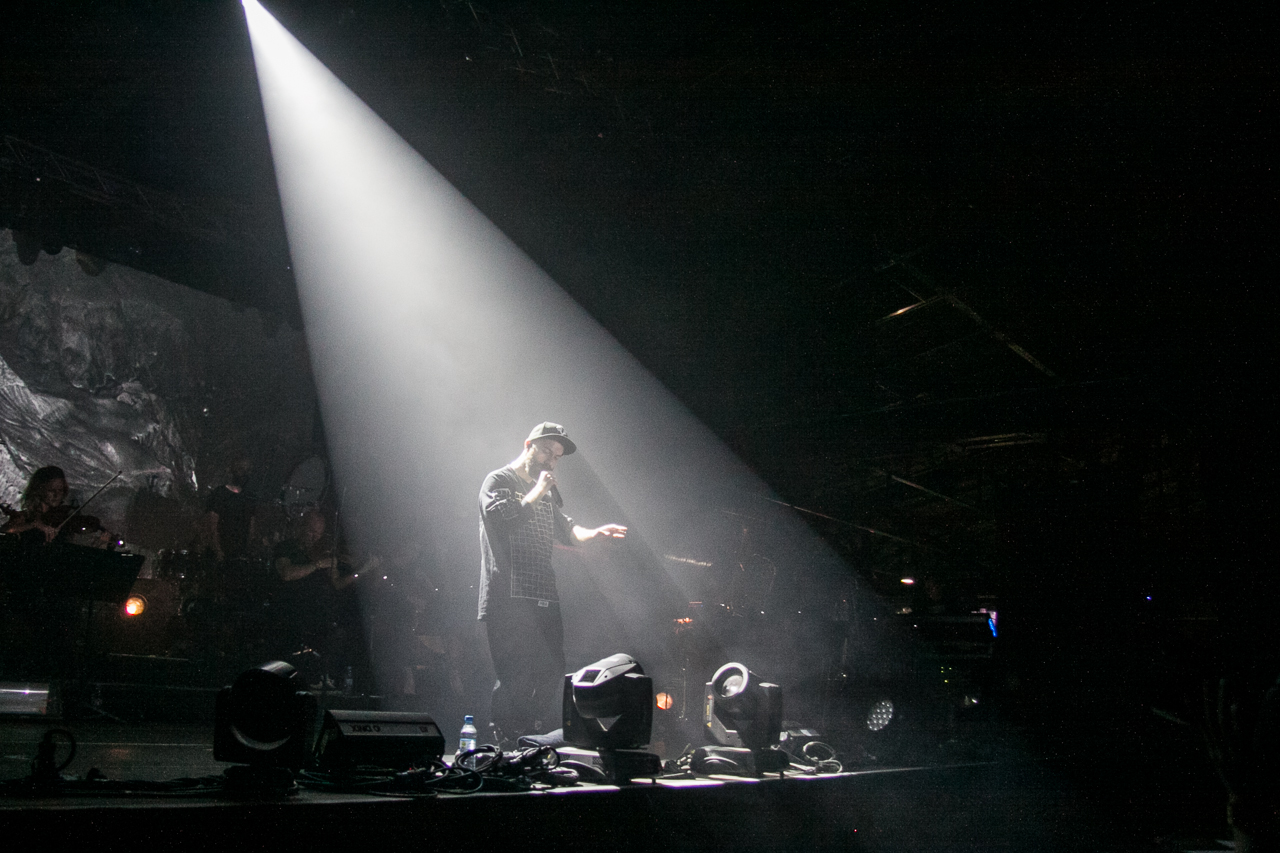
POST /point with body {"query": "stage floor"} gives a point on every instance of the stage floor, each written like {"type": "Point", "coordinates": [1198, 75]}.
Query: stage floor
{"type": "Point", "coordinates": [989, 805]}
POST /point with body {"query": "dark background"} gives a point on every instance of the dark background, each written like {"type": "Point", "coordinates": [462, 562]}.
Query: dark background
{"type": "Point", "coordinates": [1075, 421]}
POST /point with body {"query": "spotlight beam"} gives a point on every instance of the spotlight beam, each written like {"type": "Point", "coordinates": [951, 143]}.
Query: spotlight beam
{"type": "Point", "coordinates": [435, 342]}
{"type": "Point", "coordinates": [427, 325]}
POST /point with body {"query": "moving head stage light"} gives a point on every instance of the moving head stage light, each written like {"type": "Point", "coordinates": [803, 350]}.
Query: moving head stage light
{"type": "Point", "coordinates": [264, 721]}
{"type": "Point", "coordinates": [608, 707]}
{"type": "Point", "coordinates": [743, 714]}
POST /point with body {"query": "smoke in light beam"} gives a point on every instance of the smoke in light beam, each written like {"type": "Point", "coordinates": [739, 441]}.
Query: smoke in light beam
{"type": "Point", "coordinates": [437, 344]}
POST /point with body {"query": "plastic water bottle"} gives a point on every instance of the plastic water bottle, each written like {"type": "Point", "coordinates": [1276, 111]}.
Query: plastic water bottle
{"type": "Point", "coordinates": [467, 739]}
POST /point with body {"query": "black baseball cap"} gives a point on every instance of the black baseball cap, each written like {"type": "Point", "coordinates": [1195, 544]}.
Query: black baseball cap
{"type": "Point", "coordinates": [546, 429]}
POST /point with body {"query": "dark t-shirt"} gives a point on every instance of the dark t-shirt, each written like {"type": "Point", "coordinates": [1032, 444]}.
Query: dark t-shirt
{"type": "Point", "coordinates": [311, 598]}
{"type": "Point", "coordinates": [235, 519]}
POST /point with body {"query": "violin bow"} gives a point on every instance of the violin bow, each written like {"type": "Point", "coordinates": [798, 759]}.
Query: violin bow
{"type": "Point", "coordinates": [76, 511]}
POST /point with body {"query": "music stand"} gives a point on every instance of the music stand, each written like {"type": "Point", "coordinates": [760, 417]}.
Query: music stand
{"type": "Point", "coordinates": [84, 577]}
{"type": "Point", "coordinates": [91, 574]}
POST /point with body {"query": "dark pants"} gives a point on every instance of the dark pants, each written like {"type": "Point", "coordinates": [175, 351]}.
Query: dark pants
{"type": "Point", "coordinates": [526, 643]}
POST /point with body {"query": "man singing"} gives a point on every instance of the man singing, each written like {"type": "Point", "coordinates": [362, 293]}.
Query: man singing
{"type": "Point", "coordinates": [520, 516]}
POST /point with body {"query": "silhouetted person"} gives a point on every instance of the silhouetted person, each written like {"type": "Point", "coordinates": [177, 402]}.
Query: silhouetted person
{"type": "Point", "coordinates": [229, 515]}
{"type": "Point", "coordinates": [316, 605]}
{"type": "Point", "coordinates": [37, 626]}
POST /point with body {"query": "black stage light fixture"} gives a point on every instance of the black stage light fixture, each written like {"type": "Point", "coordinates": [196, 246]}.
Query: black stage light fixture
{"type": "Point", "coordinates": [391, 739]}
{"type": "Point", "coordinates": [744, 715]}
{"type": "Point", "coordinates": [608, 707]}
{"type": "Point", "coordinates": [264, 721]}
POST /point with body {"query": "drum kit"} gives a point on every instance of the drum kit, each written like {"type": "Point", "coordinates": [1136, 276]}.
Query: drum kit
{"type": "Point", "coordinates": [192, 595]}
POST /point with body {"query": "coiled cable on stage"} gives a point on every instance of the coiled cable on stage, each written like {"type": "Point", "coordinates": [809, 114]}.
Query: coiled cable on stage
{"type": "Point", "coordinates": [497, 770]}
{"type": "Point", "coordinates": [820, 758]}
{"type": "Point", "coordinates": [427, 781]}
{"type": "Point", "coordinates": [813, 758]}
{"type": "Point", "coordinates": [486, 768]}
{"type": "Point", "coordinates": [45, 768]}
{"type": "Point", "coordinates": [47, 779]}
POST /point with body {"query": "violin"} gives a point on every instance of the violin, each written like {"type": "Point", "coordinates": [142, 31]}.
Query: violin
{"type": "Point", "coordinates": [64, 519]}
{"type": "Point", "coordinates": [69, 521]}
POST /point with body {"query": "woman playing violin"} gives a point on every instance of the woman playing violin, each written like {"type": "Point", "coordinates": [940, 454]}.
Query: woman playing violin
{"type": "Point", "coordinates": [44, 511]}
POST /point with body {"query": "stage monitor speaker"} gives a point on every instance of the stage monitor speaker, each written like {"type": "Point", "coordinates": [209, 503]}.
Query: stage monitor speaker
{"type": "Point", "coordinates": [391, 739]}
